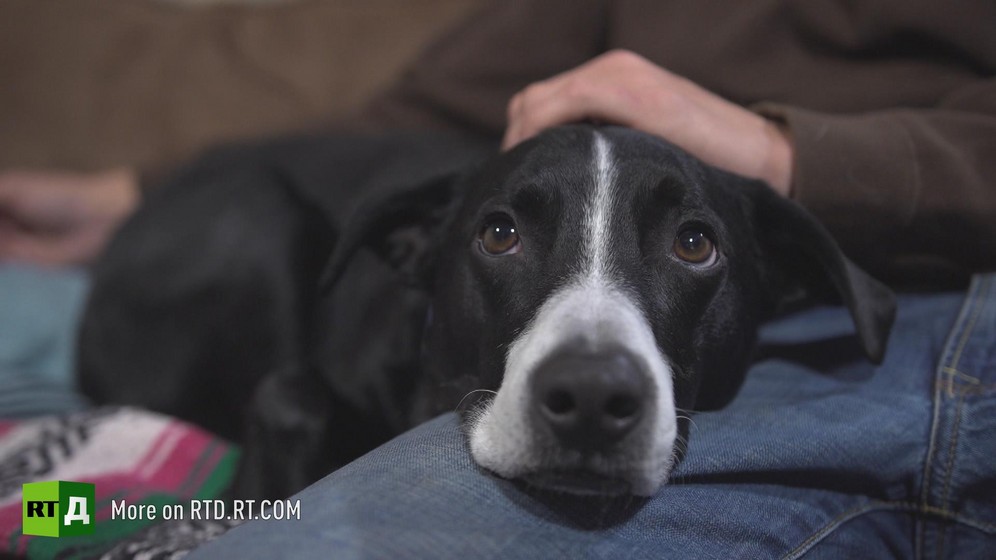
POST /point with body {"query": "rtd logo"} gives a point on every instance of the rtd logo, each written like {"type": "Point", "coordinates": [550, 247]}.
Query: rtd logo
{"type": "Point", "coordinates": [57, 509]}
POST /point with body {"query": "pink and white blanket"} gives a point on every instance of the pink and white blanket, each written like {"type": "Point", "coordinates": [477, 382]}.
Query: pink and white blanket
{"type": "Point", "coordinates": [128, 454]}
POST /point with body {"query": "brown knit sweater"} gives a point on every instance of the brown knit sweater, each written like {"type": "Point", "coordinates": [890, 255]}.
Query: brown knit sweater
{"type": "Point", "coordinates": [891, 104]}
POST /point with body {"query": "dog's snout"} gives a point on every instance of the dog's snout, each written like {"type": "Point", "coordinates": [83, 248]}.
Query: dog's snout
{"type": "Point", "coordinates": [589, 401]}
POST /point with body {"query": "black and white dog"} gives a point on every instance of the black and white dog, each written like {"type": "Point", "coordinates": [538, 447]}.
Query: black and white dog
{"type": "Point", "coordinates": [597, 284]}
{"type": "Point", "coordinates": [576, 297]}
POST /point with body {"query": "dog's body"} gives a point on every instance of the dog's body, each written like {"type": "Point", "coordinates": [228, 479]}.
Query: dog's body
{"type": "Point", "coordinates": [593, 285]}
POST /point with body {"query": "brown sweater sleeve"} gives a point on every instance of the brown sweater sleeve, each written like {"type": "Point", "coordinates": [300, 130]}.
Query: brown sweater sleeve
{"type": "Point", "coordinates": [465, 79]}
{"type": "Point", "coordinates": [905, 191]}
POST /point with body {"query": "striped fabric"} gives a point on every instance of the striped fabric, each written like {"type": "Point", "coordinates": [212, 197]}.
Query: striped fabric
{"type": "Point", "coordinates": [129, 454]}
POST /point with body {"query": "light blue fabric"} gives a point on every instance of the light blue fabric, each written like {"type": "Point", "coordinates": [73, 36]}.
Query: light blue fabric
{"type": "Point", "coordinates": [39, 313]}
{"type": "Point", "coordinates": [822, 455]}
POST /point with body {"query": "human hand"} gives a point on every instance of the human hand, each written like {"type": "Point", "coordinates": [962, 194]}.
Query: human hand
{"type": "Point", "coordinates": [623, 88]}
{"type": "Point", "coordinates": [56, 218]}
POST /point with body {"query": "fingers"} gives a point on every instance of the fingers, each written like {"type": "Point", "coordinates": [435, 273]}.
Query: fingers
{"type": "Point", "coordinates": [541, 106]}
{"type": "Point", "coordinates": [623, 88]}
{"type": "Point", "coordinates": [50, 248]}
{"type": "Point", "coordinates": [58, 218]}
{"type": "Point", "coordinates": [565, 98]}
{"type": "Point", "coordinates": [26, 247]}
{"type": "Point", "coordinates": [34, 199]}
{"type": "Point", "coordinates": [10, 193]}
{"type": "Point", "coordinates": [18, 243]}
{"type": "Point", "coordinates": [601, 89]}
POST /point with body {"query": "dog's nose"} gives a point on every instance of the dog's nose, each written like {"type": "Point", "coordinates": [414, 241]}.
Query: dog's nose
{"type": "Point", "coordinates": [589, 401]}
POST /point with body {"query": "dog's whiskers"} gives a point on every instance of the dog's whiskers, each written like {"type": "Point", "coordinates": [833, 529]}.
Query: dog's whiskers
{"type": "Point", "coordinates": [681, 445]}
{"type": "Point", "coordinates": [459, 406]}
{"type": "Point", "coordinates": [688, 417]}
{"type": "Point", "coordinates": [687, 410]}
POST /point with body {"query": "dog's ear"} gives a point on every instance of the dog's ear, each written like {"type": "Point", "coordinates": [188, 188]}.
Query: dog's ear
{"type": "Point", "coordinates": [806, 256]}
{"type": "Point", "coordinates": [398, 224]}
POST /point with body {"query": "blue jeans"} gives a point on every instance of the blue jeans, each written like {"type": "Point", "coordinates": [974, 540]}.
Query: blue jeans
{"type": "Point", "coordinates": [822, 455]}
{"type": "Point", "coordinates": [39, 314]}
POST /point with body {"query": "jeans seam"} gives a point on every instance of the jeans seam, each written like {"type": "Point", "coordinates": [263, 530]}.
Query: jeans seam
{"type": "Point", "coordinates": [949, 468]}
{"type": "Point", "coordinates": [977, 305]}
{"type": "Point", "coordinates": [830, 527]}
{"type": "Point", "coordinates": [958, 373]}
{"type": "Point", "coordinates": [963, 390]}
{"type": "Point", "coordinates": [875, 506]}
{"type": "Point", "coordinates": [976, 391]}
{"type": "Point", "coordinates": [948, 362]}
{"type": "Point", "coordinates": [969, 310]}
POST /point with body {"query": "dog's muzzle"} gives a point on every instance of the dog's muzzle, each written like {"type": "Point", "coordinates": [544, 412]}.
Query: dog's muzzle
{"type": "Point", "coordinates": [586, 403]}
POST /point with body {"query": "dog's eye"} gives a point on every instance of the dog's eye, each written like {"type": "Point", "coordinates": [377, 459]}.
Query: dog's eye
{"type": "Point", "coordinates": [694, 246]}
{"type": "Point", "coordinates": [499, 236]}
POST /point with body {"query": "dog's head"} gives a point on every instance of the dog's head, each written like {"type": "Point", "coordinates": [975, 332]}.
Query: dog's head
{"type": "Point", "coordinates": [599, 284]}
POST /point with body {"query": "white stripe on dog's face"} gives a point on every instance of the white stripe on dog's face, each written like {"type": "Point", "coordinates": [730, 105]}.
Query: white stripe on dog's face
{"type": "Point", "coordinates": [599, 211]}
{"type": "Point", "coordinates": [592, 311]}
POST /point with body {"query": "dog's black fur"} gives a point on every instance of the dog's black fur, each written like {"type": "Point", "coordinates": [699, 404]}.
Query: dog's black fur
{"type": "Point", "coordinates": [214, 318]}
{"type": "Point", "coordinates": [205, 305]}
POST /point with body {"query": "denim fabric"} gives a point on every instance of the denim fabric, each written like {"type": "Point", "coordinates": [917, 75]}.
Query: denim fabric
{"type": "Point", "coordinates": [822, 455]}
{"type": "Point", "coordinates": [39, 312]}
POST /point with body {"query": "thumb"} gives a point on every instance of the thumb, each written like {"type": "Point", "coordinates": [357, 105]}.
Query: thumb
{"type": "Point", "coordinates": [18, 245]}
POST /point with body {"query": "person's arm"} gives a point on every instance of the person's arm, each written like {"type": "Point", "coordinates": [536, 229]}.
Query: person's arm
{"type": "Point", "coordinates": [461, 83]}
{"type": "Point", "coordinates": [907, 192]}
{"type": "Point", "coordinates": [464, 80]}
{"type": "Point", "coordinates": [621, 87]}
{"type": "Point", "coordinates": [56, 218]}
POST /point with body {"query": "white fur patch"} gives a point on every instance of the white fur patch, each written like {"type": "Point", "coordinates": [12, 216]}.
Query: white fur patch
{"type": "Point", "coordinates": [590, 310]}
{"type": "Point", "coordinates": [599, 210]}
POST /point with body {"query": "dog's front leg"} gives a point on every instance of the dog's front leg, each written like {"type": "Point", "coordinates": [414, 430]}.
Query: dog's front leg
{"type": "Point", "coordinates": [287, 435]}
